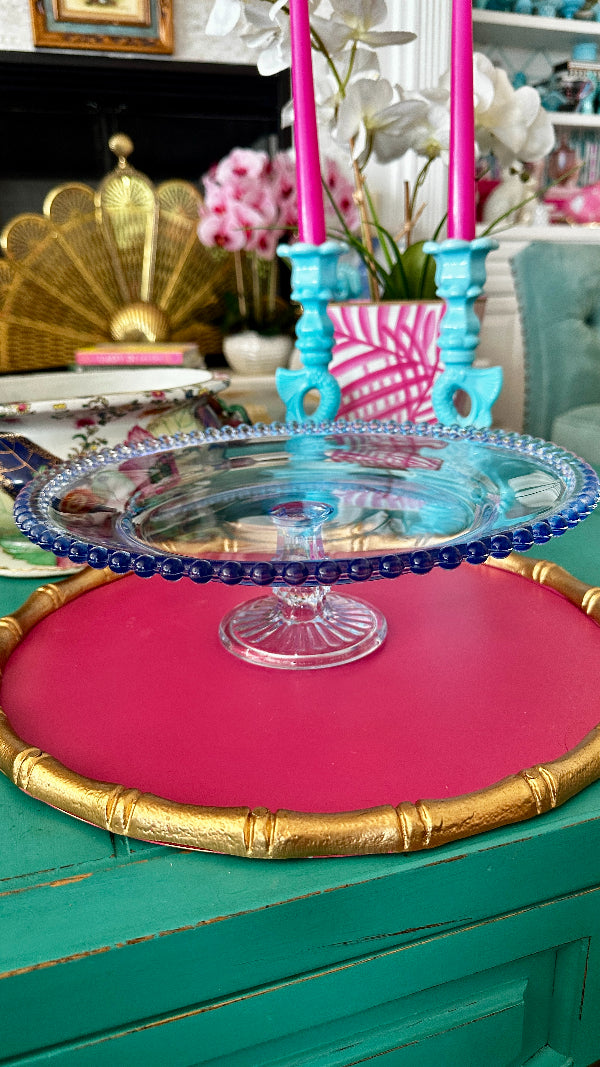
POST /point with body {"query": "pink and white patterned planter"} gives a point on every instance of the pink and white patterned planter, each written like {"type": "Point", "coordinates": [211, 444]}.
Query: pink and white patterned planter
{"type": "Point", "coordinates": [386, 358]}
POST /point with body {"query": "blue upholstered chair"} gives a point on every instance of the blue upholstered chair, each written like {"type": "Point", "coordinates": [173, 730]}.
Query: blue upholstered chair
{"type": "Point", "coordinates": [558, 292]}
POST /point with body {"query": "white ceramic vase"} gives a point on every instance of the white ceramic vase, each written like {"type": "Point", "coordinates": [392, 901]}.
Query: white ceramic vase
{"type": "Point", "coordinates": [252, 353]}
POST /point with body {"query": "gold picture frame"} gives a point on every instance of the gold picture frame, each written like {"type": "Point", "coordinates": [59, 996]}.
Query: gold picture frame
{"type": "Point", "coordinates": [263, 834]}
{"type": "Point", "coordinates": [104, 25]}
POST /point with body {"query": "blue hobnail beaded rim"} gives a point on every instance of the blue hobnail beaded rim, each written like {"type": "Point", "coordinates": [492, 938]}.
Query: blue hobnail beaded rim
{"type": "Point", "coordinates": [35, 497]}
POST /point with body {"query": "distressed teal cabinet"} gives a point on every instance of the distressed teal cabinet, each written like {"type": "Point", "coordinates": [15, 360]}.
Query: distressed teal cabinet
{"type": "Point", "coordinates": [485, 953]}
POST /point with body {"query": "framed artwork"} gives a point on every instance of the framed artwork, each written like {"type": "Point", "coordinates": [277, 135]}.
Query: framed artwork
{"type": "Point", "coordinates": [104, 25]}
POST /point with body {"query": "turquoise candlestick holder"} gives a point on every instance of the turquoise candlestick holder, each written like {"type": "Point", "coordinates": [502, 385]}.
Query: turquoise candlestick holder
{"type": "Point", "coordinates": [460, 279]}
{"type": "Point", "coordinates": [314, 284]}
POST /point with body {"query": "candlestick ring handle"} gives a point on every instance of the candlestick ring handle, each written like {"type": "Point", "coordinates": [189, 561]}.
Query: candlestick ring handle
{"type": "Point", "coordinates": [293, 386]}
{"type": "Point", "coordinates": [482, 386]}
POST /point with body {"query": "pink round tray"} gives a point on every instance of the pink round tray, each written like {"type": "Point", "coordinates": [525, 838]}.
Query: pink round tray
{"type": "Point", "coordinates": [483, 673]}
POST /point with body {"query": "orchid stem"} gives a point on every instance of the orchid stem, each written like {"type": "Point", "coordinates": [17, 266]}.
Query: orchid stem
{"type": "Point", "coordinates": [273, 272]}
{"type": "Point", "coordinates": [408, 219]}
{"type": "Point", "coordinates": [256, 290]}
{"type": "Point", "coordinates": [360, 198]}
{"type": "Point", "coordinates": [239, 281]}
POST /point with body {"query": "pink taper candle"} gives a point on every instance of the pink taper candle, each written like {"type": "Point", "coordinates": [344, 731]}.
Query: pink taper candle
{"type": "Point", "coordinates": [461, 172]}
{"type": "Point", "coordinates": [311, 215]}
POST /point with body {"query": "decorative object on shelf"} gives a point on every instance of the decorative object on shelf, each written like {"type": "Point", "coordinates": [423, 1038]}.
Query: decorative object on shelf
{"type": "Point", "coordinates": [133, 26]}
{"type": "Point", "coordinates": [569, 8]}
{"type": "Point", "coordinates": [579, 206]}
{"type": "Point", "coordinates": [573, 83]}
{"type": "Point", "coordinates": [122, 264]}
{"type": "Point", "coordinates": [564, 163]}
{"type": "Point", "coordinates": [584, 62]}
{"type": "Point", "coordinates": [68, 415]}
{"type": "Point", "coordinates": [548, 9]}
{"type": "Point", "coordinates": [587, 11]}
{"type": "Point", "coordinates": [518, 198]}
{"type": "Point", "coordinates": [303, 507]}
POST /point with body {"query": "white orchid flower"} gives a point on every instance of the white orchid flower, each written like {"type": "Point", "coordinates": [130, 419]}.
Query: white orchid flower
{"type": "Point", "coordinates": [223, 17]}
{"type": "Point", "coordinates": [286, 116]}
{"type": "Point", "coordinates": [269, 34]}
{"type": "Point", "coordinates": [540, 136]}
{"type": "Point", "coordinates": [384, 127]}
{"type": "Point", "coordinates": [353, 21]}
{"type": "Point", "coordinates": [484, 81]}
{"type": "Point", "coordinates": [328, 92]}
{"type": "Point", "coordinates": [430, 133]}
{"type": "Point", "coordinates": [510, 123]}
{"type": "Point", "coordinates": [514, 126]}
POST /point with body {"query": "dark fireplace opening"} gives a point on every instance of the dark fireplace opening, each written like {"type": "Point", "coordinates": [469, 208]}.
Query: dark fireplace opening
{"type": "Point", "coordinates": [57, 113]}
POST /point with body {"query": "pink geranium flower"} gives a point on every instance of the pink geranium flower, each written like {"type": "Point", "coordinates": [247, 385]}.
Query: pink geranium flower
{"type": "Point", "coordinates": [217, 231]}
{"type": "Point", "coordinates": [249, 208]}
{"type": "Point", "coordinates": [250, 201]}
{"type": "Point", "coordinates": [242, 163]}
{"type": "Point", "coordinates": [265, 243]}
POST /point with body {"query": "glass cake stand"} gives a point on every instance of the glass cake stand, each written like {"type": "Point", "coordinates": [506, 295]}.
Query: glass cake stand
{"type": "Point", "coordinates": [303, 508]}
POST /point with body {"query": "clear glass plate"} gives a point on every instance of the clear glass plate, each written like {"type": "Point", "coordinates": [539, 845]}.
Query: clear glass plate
{"type": "Point", "coordinates": [305, 507]}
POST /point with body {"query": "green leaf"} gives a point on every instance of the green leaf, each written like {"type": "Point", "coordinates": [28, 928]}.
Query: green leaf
{"type": "Point", "coordinates": [413, 277]}
{"type": "Point", "coordinates": [395, 286]}
{"type": "Point", "coordinates": [420, 271]}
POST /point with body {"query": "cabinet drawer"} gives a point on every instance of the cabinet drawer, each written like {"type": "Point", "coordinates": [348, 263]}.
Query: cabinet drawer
{"type": "Point", "coordinates": [406, 1008]}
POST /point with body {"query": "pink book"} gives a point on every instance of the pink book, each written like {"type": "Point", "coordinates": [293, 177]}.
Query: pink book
{"type": "Point", "coordinates": [137, 355]}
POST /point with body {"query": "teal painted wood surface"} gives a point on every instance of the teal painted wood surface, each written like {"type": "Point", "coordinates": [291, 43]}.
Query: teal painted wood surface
{"type": "Point", "coordinates": [577, 550]}
{"type": "Point", "coordinates": [164, 952]}
{"type": "Point", "coordinates": [484, 953]}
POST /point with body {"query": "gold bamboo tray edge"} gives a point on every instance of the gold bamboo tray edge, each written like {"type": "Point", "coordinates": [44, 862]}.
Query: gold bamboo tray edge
{"type": "Point", "coordinates": [260, 833]}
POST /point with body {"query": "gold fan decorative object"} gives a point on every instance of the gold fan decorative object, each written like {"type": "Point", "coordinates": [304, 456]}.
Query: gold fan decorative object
{"type": "Point", "coordinates": [120, 264]}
